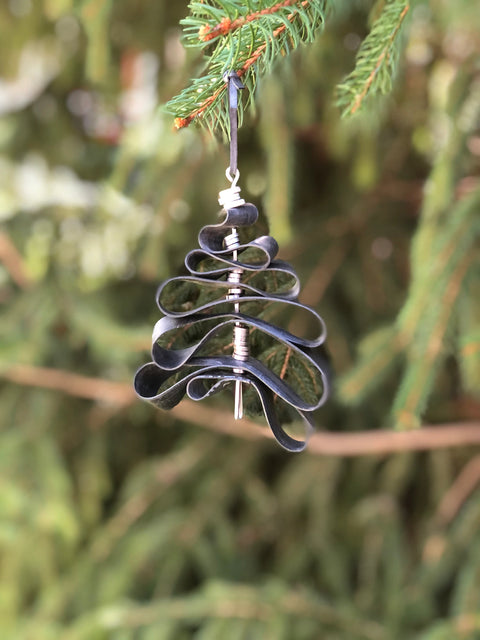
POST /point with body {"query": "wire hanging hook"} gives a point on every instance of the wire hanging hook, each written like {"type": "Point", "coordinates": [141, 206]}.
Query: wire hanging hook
{"type": "Point", "coordinates": [230, 197]}
{"type": "Point", "coordinates": [234, 86]}
{"type": "Point", "coordinates": [233, 179]}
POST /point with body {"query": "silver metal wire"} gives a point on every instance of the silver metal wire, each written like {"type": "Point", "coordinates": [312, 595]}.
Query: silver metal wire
{"type": "Point", "coordinates": [240, 332]}
{"type": "Point", "coordinates": [232, 241]}
{"type": "Point", "coordinates": [230, 198]}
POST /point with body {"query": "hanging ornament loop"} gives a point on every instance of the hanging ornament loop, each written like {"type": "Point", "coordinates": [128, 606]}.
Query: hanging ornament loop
{"type": "Point", "coordinates": [232, 179]}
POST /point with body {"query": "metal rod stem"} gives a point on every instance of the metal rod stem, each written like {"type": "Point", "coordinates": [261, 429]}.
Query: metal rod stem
{"type": "Point", "coordinates": [234, 85]}
{"type": "Point", "coordinates": [238, 409]}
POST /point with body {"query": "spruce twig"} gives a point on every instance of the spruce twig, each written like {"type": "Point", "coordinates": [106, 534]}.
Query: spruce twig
{"type": "Point", "coordinates": [420, 374]}
{"type": "Point", "coordinates": [376, 60]}
{"type": "Point", "coordinates": [243, 40]}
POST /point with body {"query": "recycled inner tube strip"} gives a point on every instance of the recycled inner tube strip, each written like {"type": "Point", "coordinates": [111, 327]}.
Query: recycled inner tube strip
{"type": "Point", "coordinates": [207, 375]}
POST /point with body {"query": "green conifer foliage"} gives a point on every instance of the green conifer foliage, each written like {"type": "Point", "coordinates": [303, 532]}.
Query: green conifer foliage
{"type": "Point", "coordinates": [119, 522]}
{"type": "Point", "coordinates": [377, 58]}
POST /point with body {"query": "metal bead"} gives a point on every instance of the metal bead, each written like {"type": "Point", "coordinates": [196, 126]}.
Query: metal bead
{"type": "Point", "coordinates": [230, 198]}
{"type": "Point", "coordinates": [232, 241]}
{"type": "Point", "coordinates": [240, 342]}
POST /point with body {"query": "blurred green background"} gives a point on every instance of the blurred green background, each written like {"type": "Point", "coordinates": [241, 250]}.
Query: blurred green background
{"type": "Point", "coordinates": [121, 522]}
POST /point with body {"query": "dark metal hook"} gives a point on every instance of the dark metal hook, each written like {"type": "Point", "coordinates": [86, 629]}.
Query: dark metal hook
{"type": "Point", "coordinates": [234, 85]}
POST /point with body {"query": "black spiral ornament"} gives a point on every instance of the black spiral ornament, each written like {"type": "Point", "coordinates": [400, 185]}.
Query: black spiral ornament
{"type": "Point", "coordinates": [241, 275]}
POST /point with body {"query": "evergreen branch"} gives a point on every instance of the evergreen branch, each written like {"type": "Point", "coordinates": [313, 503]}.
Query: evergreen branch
{"type": "Point", "coordinates": [379, 352]}
{"type": "Point", "coordinates": [207, 33]}
{"type": "Point", "coordinates": [229, 601]}
{"type": "Point", "coordinates": [420, 375]}
{"type": "Point", "coordinates": [248, 42]}
{"type": "Point", "coordinates": [362, 443]}
{"type": "Point", "coordinates": [376, 60]}
{"type": "Point", "coordinates": [453, 252]}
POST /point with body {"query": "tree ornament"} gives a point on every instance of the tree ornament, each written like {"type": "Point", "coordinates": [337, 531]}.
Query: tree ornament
{"type": "Point", "coordinates": [234, 281]}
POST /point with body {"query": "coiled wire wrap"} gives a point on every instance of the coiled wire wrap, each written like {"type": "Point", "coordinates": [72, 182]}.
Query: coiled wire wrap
{"type": "Point", "coordinates": [211, 374]}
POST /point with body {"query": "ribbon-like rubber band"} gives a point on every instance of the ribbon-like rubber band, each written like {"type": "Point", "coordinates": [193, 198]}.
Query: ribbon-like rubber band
{"type": "Point", "coordinates": [207, 375]}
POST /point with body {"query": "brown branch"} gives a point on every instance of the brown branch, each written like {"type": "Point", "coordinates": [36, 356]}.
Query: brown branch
{"type": "Point", "coordinates": [323, 273]}
{"type": "Point", "coordinates": [13, 262]}
{"type": "Point", "coordinates": [465, 483]}
{"type": "Point", "coordinates": [288, 353]}
{"type": "Point", "coordinates": [72, 384]}
{"type": "Point", "coordinates": [207, 33]}
{"type": "Point", "coordinates": [184, 122]}
{"type": "Point", "coordinates": [362, 443]}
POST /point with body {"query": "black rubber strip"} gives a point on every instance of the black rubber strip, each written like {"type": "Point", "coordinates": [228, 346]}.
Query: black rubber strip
{"type": "Point", "coordinates": [207, 375]}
